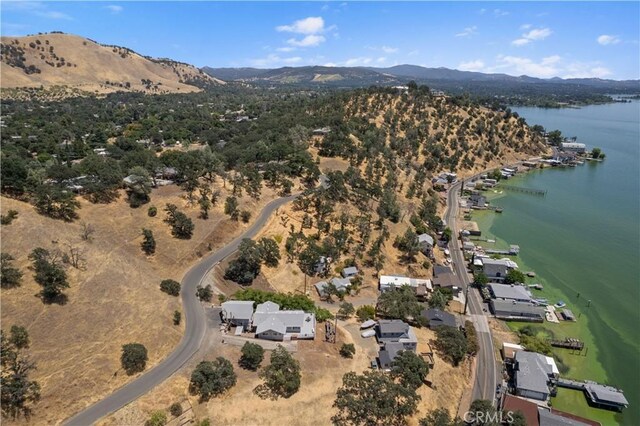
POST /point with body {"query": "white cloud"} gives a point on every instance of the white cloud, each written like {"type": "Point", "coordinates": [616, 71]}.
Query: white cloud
{"type": "Point", "coordinates": [381, 60]}
{"type": "Point", "coordinates": [605, 39]}
{"type": "Point", "coordinates": [310, 25]}
{"type": "Point", "coordinates": [531, 36]}
{"type": "Point", "coordinates": [330, 64]}
{"type": "Point", "coordinates": [476, 65]}
{"type": "Point", "coordinates": [293, 60]}
{"type": "Point", "coordinates": [586, 70]}
{"type": "Point", "coordinates": [114, 8]}
{"type": "Point", "coordinates": [354, 62]}
{"type": "Point", "coordinates": [525, 26]}
{"type": "Point", "coordinates": [388, 49]}
{"type": "Point", "coordinates": [500, 12]}
{"type": "Point", "coordinates": [546, 68]}
{"type": "Point", "coordinates": [467, 31]}
{"type": "Point", "coordinates": [311, 40]}
{"type": "Point", "coordinates": [325, 7]}
{"type": "Point", "coordinates": [482, 11]}
{"type": "Point", "coordinates": [286, 49]}
{"type": "Point", "coordinates": [36, 8]}
{"type": "Point", "coordinates": [413, 52]}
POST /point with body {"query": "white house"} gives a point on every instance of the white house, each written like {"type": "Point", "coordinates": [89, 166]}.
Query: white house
{"type": "Point", "coordinates": [393, 282]}
{"type": "Point", "coordinates": [578, 148]}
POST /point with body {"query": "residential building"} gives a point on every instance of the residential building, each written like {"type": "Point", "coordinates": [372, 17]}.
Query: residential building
{"type": "Point", "coordinates": [497, 269]}
{"type": "Point", "coordinates": [444, 277]}
{"type": "Point", "coordinates": [477, 200]}
{"type": "Point", "coordinates": [390, 331]}
{"type": "Point", "coordinates": [238, 312]}
{"type": "Point", "coordinates": [511, 310]}
{"type": "Point", "coordinates": [535, 375]}
{"type": "Point", "coordinates": [578, 148]}
{"type": "Point", "coordinates": [510, 292]}
{"type": "Point", "coordinates": [536, 415]}
{"type": "Point", "coordinates": [394, 282]}
{"type": "Point", "coordinates": [509, 350]}
{"type": "Point", "coordinates": [426, 244]}
{"type": "Point", "coordinates": [388, 354]}
{"type": "Point", "coordinates": [349, 272]}
{"type": "Point", "coordinates": [437, 318]}
{"type": "Point", "coordinates": [605, 396]}
{"type": "Point", "coordinates": [341, 284]}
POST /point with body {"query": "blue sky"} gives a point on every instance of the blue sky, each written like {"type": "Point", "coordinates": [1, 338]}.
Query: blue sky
{"type": "Point", "coordinates": [541, 39]}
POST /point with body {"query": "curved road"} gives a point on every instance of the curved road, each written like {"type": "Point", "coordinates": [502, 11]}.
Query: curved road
{"type": "Point", "coordinates": [194, 331]}
{"type": "Point", "coordinates": [484, 386]}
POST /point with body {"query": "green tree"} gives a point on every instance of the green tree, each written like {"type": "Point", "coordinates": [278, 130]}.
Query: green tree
{"type": "Point", "coordinates": [282, 376]}
{"type": "Point", "coordinates": [246, 267]}
{"type": "Point", "coordinates": [366, 312]}
{"type": "Point", "coordinates": [483, 413]}
{"type": "Point", "coordinates": [49, 274]}
{"type": "Point", "coordinates": [399, 304]}
{"type": "Point", "coordinates": [514, 276]}
{"type": "Point", "coordinates": [447, 234]}
{"type": "Point", "coordinates": [347, 350]}
{"type": "Point", "coordinates": [7, 219]}
{"type": "Point", "coordinates": [134, 358]}
{"type": "Point", "coordinates": [409, 245]}
{"type": "Point", "coordinates": [231, 207]}
{"type": "Point", "coordinates": [452, 342]}
{"type": "Point", "coordinates": [252, 356]}
{"type": "Point", "coordinates": [152, 211]}
{"type": "Point", "coordinates": [245, 216]}
{"type": "Point", "coordinates": [204, 294]}
{"type": "Point", "coordinates": [480, 279]}
{"type": "Point", "coordinates": [181, 226]}
{"type": "Point", "coordinates": [149, 242]}
{"type": "Point", "coordinates": [269, 251]}
{"type": "Point", "coordinates": [19, 337]}
{"type": "Point", "coordinates": [158, 418]}
{"type": "Point", "coordinates": [177, 317]}
{"type": "Point", "coordinates": [437, 417]}
{"type": "Point", "coordinates": [9, 275]}
{"type": "Point", "coordinates": [56, 203]}
{"type": "Point", "coordinates": [204, 202]}
{"type": "Point", "coordinates": [171, 287]}
{"type": "Point", "coordinates": [17, 392]}
{"type": "Point", "coordinates": [212, 378]}
{"type": "Point", "coordinates": [410, 369]}
{"type": "Point", "coordinates": [346, 310]}
{"type": "Point", "coordinates": [438, 299]}
{"type": "Point", "coordinates": [138, 186]}
{"type": "Point", "coordinates": [555, 137]}
{"type": "Point", "coordinates": [373, 398]}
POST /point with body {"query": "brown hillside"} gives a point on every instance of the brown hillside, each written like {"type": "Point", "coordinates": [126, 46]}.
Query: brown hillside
{"type": "Point", "coordinates": [50, 60]}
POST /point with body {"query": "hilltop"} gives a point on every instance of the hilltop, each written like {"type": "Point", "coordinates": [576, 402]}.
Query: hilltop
{"type": "Point", "coordinates": [79, 65]}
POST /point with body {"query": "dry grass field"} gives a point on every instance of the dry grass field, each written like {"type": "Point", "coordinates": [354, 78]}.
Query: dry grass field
{"type": "Point", "coordinates": [114, 300]}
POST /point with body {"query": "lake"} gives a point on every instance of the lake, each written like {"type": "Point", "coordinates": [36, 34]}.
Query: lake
{"type": "Point", "coordinates": [583, 241]}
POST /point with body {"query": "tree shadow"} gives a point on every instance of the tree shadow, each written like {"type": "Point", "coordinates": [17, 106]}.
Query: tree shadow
{"type": "Point", "coordinates": [60, 299]}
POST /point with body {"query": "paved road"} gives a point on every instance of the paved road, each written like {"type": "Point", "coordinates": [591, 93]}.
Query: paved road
{"type": "Point", "coordinates": [486, 371]}
{"type": "Point", "coordinates": [196, 325]}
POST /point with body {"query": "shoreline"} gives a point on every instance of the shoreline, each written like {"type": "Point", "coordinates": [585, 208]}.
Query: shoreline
{"type": "Point", "coordinates": [587, 365]}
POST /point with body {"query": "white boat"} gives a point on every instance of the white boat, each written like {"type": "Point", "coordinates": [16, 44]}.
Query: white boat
{"type": "Point", "coordinates": [367, 324]}
{"type": "Point", "coordinates": [368, 333]}
{"type": "Point", "coordinates": [491, 241]}
{"type": "Point", "coordinates": [447, 252]}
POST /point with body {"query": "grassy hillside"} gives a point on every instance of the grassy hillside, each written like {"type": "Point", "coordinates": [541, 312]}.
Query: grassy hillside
{"type": "Point", "coordinates": [51, 60]}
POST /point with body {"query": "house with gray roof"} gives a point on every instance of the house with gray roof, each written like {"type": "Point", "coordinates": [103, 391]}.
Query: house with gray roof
{"type": "Point", "coordinates": [535, 375]}
{"type": "Point", "coordinates": [273, 324]}
{"type": "Point", "coordinates": [426, 244]}
{"type": "Point", "coordinates": [511, 310]}
{"type": "Point", "coordinates": [341, 284]}
{"type": "Point", "coordinates": [510, 292]}
{"type": "Point", "coordinates": [437, 318]}
{"type": "Point", "coordinates": [393, 331]}
{"type": "Point", "coordinates": [238, 312]}
{"type": "Point", "coordinates": [388, 354]}
{"type": "Point", "coordinates": [349, 272]}
{"type": "Point", "coordinates": [496, 269]}
{"type": "Point", "coordinates": [605, 396]}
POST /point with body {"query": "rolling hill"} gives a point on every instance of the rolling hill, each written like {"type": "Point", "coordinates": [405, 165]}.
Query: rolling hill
{"type": "Point", "coordinates": [57, 59]}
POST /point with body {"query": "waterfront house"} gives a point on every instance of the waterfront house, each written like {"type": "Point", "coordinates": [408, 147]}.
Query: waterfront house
{"type": "Point", "coordinates": [510, 292]}
{"type": "Point", "coordinates": [509, 350]}
{"type": "Point", "coordinates": [496, 269]}
{"type": "Point", "coordinates": [602, 396]}
{"type": "Point", "coordinates": [478, 201]}
{"type": "Point", "coordinates": [536, 415]}
{"type": "Point", "coordinates": [510, 310]}
{"type": "Point", "coordinates": [578, 148]}
{"type": "Point", "coordinates": [535, 375]}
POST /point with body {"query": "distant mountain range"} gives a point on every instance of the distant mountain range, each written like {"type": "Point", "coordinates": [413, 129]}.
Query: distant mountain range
{"type": "Point", "coordinates": [399, 74]}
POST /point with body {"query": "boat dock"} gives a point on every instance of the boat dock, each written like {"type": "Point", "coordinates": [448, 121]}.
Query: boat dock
{"type": "Point", "coordinates": [533, 191]}
{"type": "Point", "coordinates": [568, 344]}
{"type": "Point", "coordinates": [598, 395]}
{"type": "Point", "coordinates": [513, 251]}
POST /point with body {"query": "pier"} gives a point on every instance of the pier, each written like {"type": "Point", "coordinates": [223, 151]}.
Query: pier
{"type": "Point", "coordinates": [533, 191]}
{"type": "Point", "coordinates": [598, 395]}
{"type": "Point", "coordinates": [568, 344]}
{"type": "Point", "coordinates": [513, 251]}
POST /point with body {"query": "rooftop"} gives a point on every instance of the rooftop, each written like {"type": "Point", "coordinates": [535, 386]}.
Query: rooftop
{"type": "Point", "coordinates": [510, 291]}
{"type": "Point", "coordinates": [534, 370]}
{"type": "Point", "coordinates": [425, 238]}
{"type": "Point", "coordinates": [238, 309]}
{"type": "Point", "coordinates": [437, 317]}
{"type": "Point", "coordinates": [605, 394]}
{"type": "Point", "coordinates": [393, 326]}
{"type": "Point", "coordinates": [515, 307]}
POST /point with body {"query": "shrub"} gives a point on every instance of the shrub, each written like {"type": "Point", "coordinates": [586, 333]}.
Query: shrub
{"type": "Point", "coordinates": [6, 219]}
{"type": "Point", "coordinates": [175, 409]}
{"type": "Point", "coordinates": [347, 350]}
{"type": "Point", "coordinates": [212, 378]}
{"type": "Point", "coordinates": [366, 312]}
{"type": "Point", "coordinates": [152, 211]}
{"type": "Point", "coordinates": [171, 287]}
{"type": "Point", "coordinates": [252, 356]}
{"type": "Point", "coordinates": [158, 418]}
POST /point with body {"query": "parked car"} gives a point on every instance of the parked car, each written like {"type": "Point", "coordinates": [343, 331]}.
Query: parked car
{"type": "Point", "coordinates": [368, 333]}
